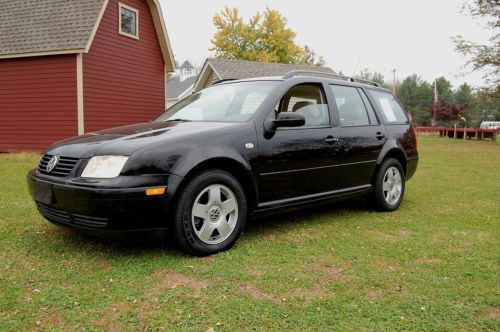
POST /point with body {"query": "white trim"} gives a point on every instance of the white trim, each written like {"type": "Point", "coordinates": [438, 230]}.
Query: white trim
{"type": "Point", "coordinates": [204, 75]}
{"type": "Point", "coordinates": [79, 94]}
{"type": "Point", "coordinates": [41, 53]}
{"type": "Point", "coordinates": [161, 33]}
{"type": "Point", "coordinates": [132, 9]}
{"type": "Point", "coordinates": [165, 79]}
{"type": "Point", "coordinates": [96, 25]}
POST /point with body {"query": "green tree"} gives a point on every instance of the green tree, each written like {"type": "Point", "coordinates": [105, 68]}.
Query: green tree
{"type": "Point", "coordinates": [464, 96]}
{"type": "Point", "coordinates": [484, 57]}
{"type": "Point", "coordinates": [265, 37]}
{"type": "Point", "coordinates": [445, 90]}
{"type": "Point", "coordinates": [376, 77]}
{"type": "Point", "coordinates": [487, 105]}
{"type": "Point", "coordinates": [417, 96]}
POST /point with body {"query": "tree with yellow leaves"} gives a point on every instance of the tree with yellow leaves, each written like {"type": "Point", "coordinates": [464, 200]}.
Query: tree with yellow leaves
{"type": "Point", "coordinates": [264, 38]}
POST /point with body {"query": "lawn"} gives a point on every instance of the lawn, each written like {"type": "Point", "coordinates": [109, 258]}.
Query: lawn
{"type": "Point", "coordinates": [431, 265]}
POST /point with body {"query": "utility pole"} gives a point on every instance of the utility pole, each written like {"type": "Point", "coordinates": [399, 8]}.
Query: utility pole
{"type": "Point", "coordinates": [393, 81]}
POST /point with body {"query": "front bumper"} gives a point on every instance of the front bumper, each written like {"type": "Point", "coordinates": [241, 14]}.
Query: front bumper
{"type": "Point", "coordinates": [103, 206]}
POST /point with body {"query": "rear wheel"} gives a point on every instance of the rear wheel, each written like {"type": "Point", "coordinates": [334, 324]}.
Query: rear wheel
{"type": "Point", "coordinates": [210, 214]}
{"type": "Point", "coordinates": [389, 185]}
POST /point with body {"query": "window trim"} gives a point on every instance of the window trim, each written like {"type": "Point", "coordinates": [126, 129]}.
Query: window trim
{"type": "Point", "coordinates": [324, 96]}
{"type": "Point", "coordinates": [132, 9]}
{"type": "Point", "coordinates": [363, 93]}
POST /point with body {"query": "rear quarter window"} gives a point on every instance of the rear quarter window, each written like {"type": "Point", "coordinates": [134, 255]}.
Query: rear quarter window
{"type": "Point", "coordinates": [390, 109]}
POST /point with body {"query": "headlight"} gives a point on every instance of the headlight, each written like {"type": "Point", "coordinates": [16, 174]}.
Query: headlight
{"type": "Point", "coordinates": [104, 167]}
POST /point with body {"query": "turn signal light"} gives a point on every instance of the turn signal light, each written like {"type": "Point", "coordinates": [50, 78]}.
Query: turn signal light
{"type": "Point", "coordinates": [155, 191]}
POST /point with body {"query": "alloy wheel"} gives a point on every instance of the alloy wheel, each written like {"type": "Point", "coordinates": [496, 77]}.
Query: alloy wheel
{"type": "Point", "coordinates": [214, 214]}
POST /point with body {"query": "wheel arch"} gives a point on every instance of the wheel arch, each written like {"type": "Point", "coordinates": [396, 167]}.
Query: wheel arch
{"type": "Point", "coordinates": [396, 153]}
{"type": "Point", "coordinates": [233, 167]}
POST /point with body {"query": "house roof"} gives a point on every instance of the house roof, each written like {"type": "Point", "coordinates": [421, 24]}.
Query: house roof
{"type": "Point", "coordinates": [47, 27]}
{"type": "Point", "coordinates": [186, 64]}
{"type": "Point", "coordinates": [176, 88]}
{"type": "Point", "coordinates": [238, 69]}
{"type": "Point", "coordinates": [31, 26]}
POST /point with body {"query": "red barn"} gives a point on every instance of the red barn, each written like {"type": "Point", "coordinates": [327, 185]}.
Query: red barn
{"type": "Point", "coordinates": [70, 67]}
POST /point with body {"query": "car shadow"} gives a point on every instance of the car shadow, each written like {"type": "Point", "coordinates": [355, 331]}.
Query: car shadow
{"type": "Point", "coordinates": [254, 230]}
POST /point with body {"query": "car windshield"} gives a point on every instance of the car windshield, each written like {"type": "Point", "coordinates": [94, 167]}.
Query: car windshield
{"type": "Point", "coordinates": [234, 102]}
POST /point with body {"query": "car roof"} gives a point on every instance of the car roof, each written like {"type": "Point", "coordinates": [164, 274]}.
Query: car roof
{"type": "Point", "coordinates": [307, 78]}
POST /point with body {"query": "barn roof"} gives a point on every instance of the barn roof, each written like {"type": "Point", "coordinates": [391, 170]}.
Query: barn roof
{"type": "Point", "coordinates": [30, 26]}
{"type": "Point", "coordinates": [45, 27]}
{"type": "Point", "coordinates": [239, 69]}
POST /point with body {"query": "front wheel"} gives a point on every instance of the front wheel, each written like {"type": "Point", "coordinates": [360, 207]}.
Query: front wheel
{"type": "Point", "coordinates": [389, 185]}
{"type": "Point", "coordinates": [210, 214]}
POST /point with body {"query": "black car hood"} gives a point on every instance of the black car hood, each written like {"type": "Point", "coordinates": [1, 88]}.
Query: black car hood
{"type": "Point", "coordinates": [127, 139]}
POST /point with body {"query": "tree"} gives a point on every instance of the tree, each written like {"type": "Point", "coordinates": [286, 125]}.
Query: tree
{"type": "Point", "coordinates": [417, 96]}
{"type": "Point", "coordinates": [376, 77]}
{"type": "Point", "coordinates": [444, 88]}
{"type": "Point", "coordinates": [449, 112]}
{"type": "Point", "coordinates": [264, 38]}
{"type": "Point", "coordinates": [487, 105]}
{"type": "Point", "coordinates": [483, 57]}
{"type": "Point", "coordinates": [463, 95]}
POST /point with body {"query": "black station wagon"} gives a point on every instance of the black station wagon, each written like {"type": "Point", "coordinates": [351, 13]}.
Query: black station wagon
{"type": "Point", "coordinates": [237, 149]}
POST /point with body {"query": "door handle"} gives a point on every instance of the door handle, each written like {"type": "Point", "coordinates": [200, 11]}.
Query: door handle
{"type": "Point", "coordinates": [379, 135]}
{"type": "Point", "coordinates": [330, 139]}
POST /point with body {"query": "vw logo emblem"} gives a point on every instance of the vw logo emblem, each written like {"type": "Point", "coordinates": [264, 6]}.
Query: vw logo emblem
{"type": "Point", "coordinates": [52, 163]}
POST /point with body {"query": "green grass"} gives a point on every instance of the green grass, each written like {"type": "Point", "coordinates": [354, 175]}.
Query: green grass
{"type": "Point", "coordinates": [431, 265]}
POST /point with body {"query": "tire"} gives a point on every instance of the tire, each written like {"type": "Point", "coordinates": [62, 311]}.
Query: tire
{"type": "Point", "coordinates": [389, 185]}
{"type": "Point", "coordinates": [210, 213]}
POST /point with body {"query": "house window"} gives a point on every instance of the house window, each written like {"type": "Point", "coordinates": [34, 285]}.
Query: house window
{"type": "Point", "coordinates": [128, 21]}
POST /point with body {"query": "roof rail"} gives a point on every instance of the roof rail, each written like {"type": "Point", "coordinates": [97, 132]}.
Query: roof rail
{"type": "Point", "coordinates": [223, 80]}
{"type": "Point", "coordinates": [293, 73]}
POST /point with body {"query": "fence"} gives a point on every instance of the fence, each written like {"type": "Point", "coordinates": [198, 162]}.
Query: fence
{"type": "Point", "coordinates": [460, 133]}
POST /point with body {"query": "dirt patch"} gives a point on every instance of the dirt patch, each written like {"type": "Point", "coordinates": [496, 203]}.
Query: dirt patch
{"type": "Point", "coordinates": [109, 320]}
{"type": "Point", "coordinates": [258, 294]}
{"type": "Point", "coordinates": [375, 295]}
{"type": "Point", "coordinates": [392, 237]}
{"type": "Point", "coordinates": [428, 261]}
{"type": "Point", "coordinates": [494, 313]}
{"type": "Point", "coordinates": [329, 273]}
{"type": "Point", "coordinates": [254, 271]}
{"type": "Point", "coordinates": [323, 274]}
{"type": "Point", "coordinates": [165, 279]}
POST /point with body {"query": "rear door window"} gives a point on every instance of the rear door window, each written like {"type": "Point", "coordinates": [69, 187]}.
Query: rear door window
{"type": "Point", "coordinates": [351, 108]}
{"type": "Point", "coordinates": [389, 107]}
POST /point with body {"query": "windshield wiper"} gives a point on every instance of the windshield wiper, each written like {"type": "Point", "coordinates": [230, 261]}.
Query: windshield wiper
{"type": "Point", "coordinates": [177, 120]}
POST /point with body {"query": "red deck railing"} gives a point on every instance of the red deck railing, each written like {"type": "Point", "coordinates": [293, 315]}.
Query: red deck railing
{"type": "Point", "coordinates": [460, 132]}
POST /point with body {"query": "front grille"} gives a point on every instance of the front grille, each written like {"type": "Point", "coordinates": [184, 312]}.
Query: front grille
{"type": "Point", "coordinates": [64, 166]}
{"type": "Point", "coordinates": [70, 219]}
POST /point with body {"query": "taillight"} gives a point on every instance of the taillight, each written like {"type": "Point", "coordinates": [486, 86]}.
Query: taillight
{"type": "Point", "coordinates": [415, 141]}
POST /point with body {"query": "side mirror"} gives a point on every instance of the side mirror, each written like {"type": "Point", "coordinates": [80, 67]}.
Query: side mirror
{"type": "Point", "coordinates": [285, 119]}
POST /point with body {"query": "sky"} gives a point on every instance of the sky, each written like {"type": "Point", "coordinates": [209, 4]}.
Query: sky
{"type": "Point", "coordinates": [409, 36]}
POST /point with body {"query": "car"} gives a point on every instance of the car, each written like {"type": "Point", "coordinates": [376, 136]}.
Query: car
{"type": "Point", "coordinates": [490, 125]}
{"type": "Point", "coordinates": [236, 150]}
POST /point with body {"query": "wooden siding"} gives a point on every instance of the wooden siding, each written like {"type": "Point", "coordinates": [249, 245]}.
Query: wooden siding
{"type": "Point", "coordinates": [38, 104]}
{"type": "Point", "coordinates": [123, 78]}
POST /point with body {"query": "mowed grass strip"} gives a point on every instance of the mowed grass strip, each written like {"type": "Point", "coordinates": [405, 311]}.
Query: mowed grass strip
{"type": "Point", "coordinates": [431, 265]}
